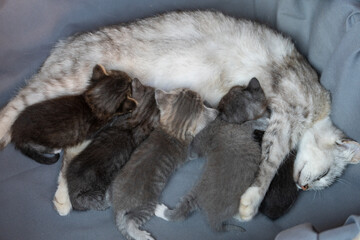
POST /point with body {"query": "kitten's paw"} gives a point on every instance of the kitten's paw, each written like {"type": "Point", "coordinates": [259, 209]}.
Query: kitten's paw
{"type": "Point", "coordinates": [62, 202]}
{"type": "Point", "coordinates": [141, 235]}
{"type": "Point", "coordinates": [249, 203]}
{"type": "Point", "coordinates": [160, 211]}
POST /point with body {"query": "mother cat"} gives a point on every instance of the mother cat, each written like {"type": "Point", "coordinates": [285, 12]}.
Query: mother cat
{"type": "Point", "coordinates": [209, 53]}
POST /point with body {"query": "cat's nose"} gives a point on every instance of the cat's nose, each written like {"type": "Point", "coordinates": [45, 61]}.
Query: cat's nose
{"type": "Point", "coordinates": [305, 187]}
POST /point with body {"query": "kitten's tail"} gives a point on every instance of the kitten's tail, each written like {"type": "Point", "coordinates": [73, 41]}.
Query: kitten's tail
{"type": "Point", "coordinates": [129, 224]}
{"type": "Point", "coordinates": [182, 210]}
{"type": "Point", "coordinates": [227, 227]}
{"type": "Point", "coordinates": [34, 152]}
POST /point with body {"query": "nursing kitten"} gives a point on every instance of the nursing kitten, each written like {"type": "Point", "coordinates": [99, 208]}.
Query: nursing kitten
{"type": "Point", "coordinates": [139, 184]}
{"type": "Point", "coordinates": [232, 155]}
{"type": "Point", "coordinates": [282, 192]}
{"type": "Point", "coordinates": [90, 173]}
{"type": "Point", "coordinates": [49, 126]}
{"type": "Point", "coordinates": [209, 53]}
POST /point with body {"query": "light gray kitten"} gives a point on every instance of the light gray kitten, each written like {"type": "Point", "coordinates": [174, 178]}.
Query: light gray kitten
{"type": "Point", "coordinates": [138, 186]}
{"type": "Point", "coordinates": [209, 53]}
{"type": "Point", "coordinates": [232, 158]}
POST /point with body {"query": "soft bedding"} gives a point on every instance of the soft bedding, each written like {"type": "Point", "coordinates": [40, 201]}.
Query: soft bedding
{"type": "Point", "coordinates": [326, 32]}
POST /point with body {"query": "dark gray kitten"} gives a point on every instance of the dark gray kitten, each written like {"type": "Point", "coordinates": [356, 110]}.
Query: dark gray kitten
{"type": "Point", "coordinates": [138, 186]}
{"type": "Point", "coordinates": [90, 173]}
{"type": "Point", "coordinates": [49, 126]}
{"type": "Point", "coordinates": [233, 158]}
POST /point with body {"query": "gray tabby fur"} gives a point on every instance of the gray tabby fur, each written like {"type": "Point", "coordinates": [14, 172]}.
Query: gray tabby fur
{"type": "Point", "coordinates": [136, 189]}
{"type": "Point", "coordinates": [232, 156]}
{"type": "Point", "coordinates": [209, 53]}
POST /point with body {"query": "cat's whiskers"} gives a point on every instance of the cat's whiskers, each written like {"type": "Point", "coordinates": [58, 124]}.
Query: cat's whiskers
{"type": "Point", "coordinates": [343, 181]}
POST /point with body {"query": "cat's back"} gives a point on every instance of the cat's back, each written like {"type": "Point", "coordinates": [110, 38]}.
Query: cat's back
{"type": "Point", "coordinates": [46, 119]}
{"type": "Point", "coordinates": [232, 162]}
{"type": "Point", "coordinates": [149, 165]}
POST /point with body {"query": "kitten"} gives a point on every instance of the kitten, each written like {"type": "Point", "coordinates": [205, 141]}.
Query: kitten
{"type": "Point", "coordinates": [209, 53]}
{"type": "Point", "coordinates": [48, 126]}
{"type": "Point", "coordinates": [232, 155]}
{"type": "Point", "coordinates": [282, 192]}
{"type": "Point", "coordinates": [136, 189]}
{"type": "Point", "coordinates": [90, 173]}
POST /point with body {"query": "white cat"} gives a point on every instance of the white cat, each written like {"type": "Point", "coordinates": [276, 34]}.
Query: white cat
{"type": "Point", "coordinates": [209, 53]}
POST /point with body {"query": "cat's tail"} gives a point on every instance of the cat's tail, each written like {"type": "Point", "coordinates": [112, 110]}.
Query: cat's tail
{"type": "Point", "coordinates": [37, 153]}
{"type": "Point", "coordinates": [129, 224]}
{"type": "Point", "coordinates": [181, 212]}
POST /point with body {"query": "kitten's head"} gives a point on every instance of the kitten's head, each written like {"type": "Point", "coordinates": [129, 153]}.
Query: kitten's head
{"type": "Point", "coordinates": [109, 93]}
{"type": "Point", "coordinates": [141, 93]}
{"type": "Point", "coordinates": [183, 113]}
{"type": "Point", "coordinates": [243, 104]}
{"type": "Point", "coordinates": [322, 156]}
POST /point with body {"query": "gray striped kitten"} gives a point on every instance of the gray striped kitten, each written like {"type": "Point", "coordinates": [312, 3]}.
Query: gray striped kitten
{"type": "Point", "coordinates": [209, 53]}
{"type": "Point", "coordinates": [232, 159]}
{"type": "Point", "coordinates": [138, 186]}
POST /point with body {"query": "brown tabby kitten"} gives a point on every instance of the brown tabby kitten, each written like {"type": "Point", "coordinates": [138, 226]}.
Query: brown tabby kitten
{"type": "Point", "coordinates": [139, 184]}
{"type": "Point", "coordinates": [47, 127]}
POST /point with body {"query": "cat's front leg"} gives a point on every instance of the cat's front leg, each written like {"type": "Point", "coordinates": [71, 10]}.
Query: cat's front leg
{"type": "Point", "coordinates": [275, 146]}
{"type": "Point", "coordinates": [61, 200]}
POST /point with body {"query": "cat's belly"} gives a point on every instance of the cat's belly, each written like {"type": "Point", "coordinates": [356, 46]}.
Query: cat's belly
{"type": "Point", "coordinates": [210, 77]}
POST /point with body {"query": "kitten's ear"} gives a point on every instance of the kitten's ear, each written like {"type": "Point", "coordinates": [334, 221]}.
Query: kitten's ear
{"type": "Point", "coordinates": [351, 148]}
{"type": "Point", "coordinates": [211, 114]}
{"type": "Point", "coordinates": [128, 105]}
{"type": "Point", "coordinates": [99, 72]}
{"type": "Point", "coordinates": [136, 84]}
{"type": "Point", "coordinates": [207, 116]}
{"type": "Point", "coordinates": [254, 85]}
{"type": "Point", "coordinates": [161, 97]}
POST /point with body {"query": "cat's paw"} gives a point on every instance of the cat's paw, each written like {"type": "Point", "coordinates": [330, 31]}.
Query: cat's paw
{"type": "Point", "coordinates": [5, 140]}
{"type": "Point", "coordinates": [62, 202]}
{"type": "Point", "coordinates": [249, 203]}
{"type": "Point", "coordinates": [160, 211]}
{"type": "Point", "coordinates": [141, 235]}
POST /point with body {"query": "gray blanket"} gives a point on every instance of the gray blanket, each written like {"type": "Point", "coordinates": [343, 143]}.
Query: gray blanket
{"type": "Point", "coordinates": [327, 32]}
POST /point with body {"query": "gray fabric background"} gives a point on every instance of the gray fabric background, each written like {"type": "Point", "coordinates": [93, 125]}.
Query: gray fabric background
{"type": "Point", "coordinates": [327, 32]}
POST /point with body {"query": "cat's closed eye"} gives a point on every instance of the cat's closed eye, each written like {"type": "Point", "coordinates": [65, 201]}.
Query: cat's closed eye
{"type": "Point", "coordinates": [322, 175]}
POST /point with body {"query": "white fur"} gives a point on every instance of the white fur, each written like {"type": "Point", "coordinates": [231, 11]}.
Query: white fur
{"type": "Point", "coordinates": [159, 211]}
{"type": "Point", "coordinates": [319, 152]}
{"type": "Point", "coordinates": [61, 200]}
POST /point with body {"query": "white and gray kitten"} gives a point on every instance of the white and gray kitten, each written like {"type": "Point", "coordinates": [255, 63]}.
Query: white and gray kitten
{"type": "Point", "coordinates": [209, 53]}
{"type": "Point", "coordinates": [138, 186]}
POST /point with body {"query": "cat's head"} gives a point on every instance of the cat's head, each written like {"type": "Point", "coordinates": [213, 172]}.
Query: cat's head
{"type": "Point", "coordinates": [183, 113]}
{"type": "Point", "coordinates": [243, 104]}
{"type": "Point", "coordinates": [323, 154]}
{"type": "Point", "coordinates": [142, 93]}
{"type": "Point", "coordinates": [109, 93]}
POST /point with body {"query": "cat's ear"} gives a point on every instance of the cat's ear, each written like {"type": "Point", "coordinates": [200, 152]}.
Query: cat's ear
{"type": "Point", "coordinates": [99, 72]}
{"type": "Point", "coordinates": [128, 105]}
{"type": "Point", "coordinates": [254, 85]}
{"type": "Point", "coordinates": [211, 114]}
{"type": "Point", "coordinates": [161, 97]}
{"type": "Point", "coordinates": [136, 84]}
{"type": "Point", "coordinates": [207, 116]}
{"type": "Point", "coordinates": [351, 150]}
